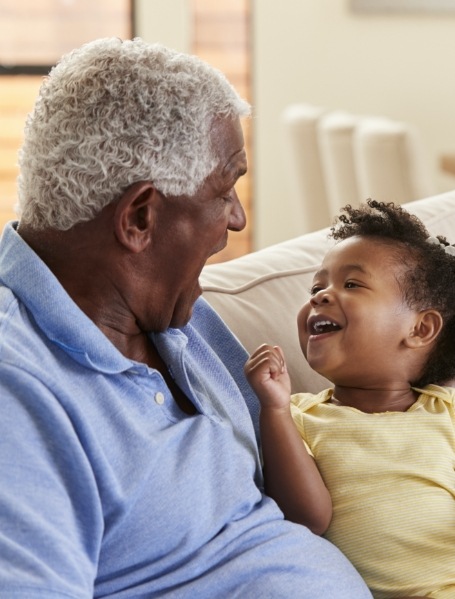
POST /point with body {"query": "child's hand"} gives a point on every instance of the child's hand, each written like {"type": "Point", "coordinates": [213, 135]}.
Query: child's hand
{"type": "Point", "coordinates": [268, 376]}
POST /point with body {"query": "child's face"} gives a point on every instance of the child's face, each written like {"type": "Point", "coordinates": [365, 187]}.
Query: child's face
{"type": "Point", "coordinates": [352, 328]}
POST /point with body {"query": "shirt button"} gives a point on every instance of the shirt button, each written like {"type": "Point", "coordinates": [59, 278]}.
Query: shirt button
{"type": "Point", "coordinates": [159, 398]}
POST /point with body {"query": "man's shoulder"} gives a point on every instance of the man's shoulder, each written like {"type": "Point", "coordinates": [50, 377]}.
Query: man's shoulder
{"type": "Point", "coordinates": [14, 326]}
{"type": "Point", "coordinates": [8, 302]}
{"type": "Point", "coordinates": [22, 347]}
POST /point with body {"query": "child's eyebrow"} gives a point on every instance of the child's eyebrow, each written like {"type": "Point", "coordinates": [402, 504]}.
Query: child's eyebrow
{"type": "Point", "coordinates": [346, 268]}
{"type": "Point", "coordinates": [354, 267]}
{"type": "Point", "coordinates": [320, 273]}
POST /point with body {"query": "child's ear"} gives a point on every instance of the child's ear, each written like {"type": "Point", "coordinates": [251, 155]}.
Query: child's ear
{"type": "Point", "coordinates": [427, 326]}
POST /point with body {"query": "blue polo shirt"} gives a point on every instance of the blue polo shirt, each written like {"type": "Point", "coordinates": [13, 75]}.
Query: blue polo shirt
{"type": "Point", "coordinates": [107, 489]}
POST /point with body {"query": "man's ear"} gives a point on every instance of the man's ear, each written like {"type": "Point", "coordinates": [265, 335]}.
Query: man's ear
{"type": "Point", "coordinates": [427, 326]}
{"type": "Point", "coordinates": [134, 216]}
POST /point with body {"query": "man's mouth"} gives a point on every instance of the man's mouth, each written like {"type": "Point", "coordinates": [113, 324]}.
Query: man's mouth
{"type": "Point", "coordinates": [319, 325]}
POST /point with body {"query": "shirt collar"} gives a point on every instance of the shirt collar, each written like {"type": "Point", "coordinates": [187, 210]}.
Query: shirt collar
{"type": "Point", "coordinates": [55, 313]}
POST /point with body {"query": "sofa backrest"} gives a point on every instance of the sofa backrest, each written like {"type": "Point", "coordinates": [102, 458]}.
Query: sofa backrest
{"type": "Point", "coordinates": [260, 294]}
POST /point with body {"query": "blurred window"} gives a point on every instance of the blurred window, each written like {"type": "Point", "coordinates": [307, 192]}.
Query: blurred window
{"type": "Point", "coordinates": [33, 36]}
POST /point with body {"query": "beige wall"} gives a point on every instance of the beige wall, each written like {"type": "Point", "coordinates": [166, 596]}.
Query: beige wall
{"type": "Point", "coordinates": [164, 21]}
{"type": "Point", "coordinates": [317, 51]}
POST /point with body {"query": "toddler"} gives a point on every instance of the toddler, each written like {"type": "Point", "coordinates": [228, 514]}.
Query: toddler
{"type": "Point", "coordinates": [375, 473]}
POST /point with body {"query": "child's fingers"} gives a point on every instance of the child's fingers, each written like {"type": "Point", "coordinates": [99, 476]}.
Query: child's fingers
{"type": "Point", "coordinates": [278, 349]}
{"type": "Point", "coordinates": [266, 359]}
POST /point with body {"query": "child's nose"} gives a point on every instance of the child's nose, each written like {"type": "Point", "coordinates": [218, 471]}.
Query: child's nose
{"type": "Point", "coordinates": [323, 296]}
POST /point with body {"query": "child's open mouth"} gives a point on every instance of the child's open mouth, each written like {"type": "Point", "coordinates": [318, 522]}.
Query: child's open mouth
{"type": "Point", "coordinates": [318, 325]}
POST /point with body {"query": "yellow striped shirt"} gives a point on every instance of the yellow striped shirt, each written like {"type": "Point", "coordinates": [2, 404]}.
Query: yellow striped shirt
{"type": "Point", "coordinates": [391, 476]}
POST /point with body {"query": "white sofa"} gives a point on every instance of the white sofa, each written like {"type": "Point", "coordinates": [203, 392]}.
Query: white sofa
{"type": "Point", "coordinates": [331, 155]}
{"type": "Point", "coordinates": [260, 294]}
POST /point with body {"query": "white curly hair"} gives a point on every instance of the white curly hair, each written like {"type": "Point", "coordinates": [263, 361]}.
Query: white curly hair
{"type": "Point", "coordinates": [112, 113]}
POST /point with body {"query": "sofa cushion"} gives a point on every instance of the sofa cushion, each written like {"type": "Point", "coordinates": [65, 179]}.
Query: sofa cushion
{"type": "Point", "coordinates": [260, 294]}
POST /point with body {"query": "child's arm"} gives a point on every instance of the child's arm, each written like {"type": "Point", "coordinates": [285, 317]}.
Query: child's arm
{"type": "Point", "coordinates": [291, 475]}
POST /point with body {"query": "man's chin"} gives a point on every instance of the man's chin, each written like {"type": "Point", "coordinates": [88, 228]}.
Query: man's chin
{"type": "Point", "coordinates": [182, 318]}
{"type": "Point", "coordinates": [181, 321]}
{"type": "Point", "coordinates": [220, 247]}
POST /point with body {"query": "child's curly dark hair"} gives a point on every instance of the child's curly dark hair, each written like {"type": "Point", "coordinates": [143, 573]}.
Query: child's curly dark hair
{"type": "Point", "coordinates": [428, 281]}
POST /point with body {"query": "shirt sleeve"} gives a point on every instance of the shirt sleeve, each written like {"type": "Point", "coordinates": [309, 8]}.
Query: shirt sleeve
{"type": "Point", "coordinates": [299, 404]}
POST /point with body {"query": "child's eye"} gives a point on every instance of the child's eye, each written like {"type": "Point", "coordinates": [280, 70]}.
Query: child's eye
{"type": "Point", "coordinates": [315, 289]}
{"type": "Point", "coordinates": [350, 285]}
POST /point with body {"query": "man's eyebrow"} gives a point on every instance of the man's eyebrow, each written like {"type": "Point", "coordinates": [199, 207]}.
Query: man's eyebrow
{"type": "Point", "coordinates": [241, 171]}
{"type": "Point", "coordinates": [237, 163]}
{"type": "Point", "coordinates": [234, 172]}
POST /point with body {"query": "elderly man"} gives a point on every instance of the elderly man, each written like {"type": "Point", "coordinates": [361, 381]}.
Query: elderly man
{"type": "Point", "coordinates": [129, 461]}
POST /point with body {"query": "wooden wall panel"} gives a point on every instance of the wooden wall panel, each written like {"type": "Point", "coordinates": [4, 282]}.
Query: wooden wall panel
{"type": "Point", "coordinates": [17, 96]}
{"type": "Point", "coordinates": [221, 36]}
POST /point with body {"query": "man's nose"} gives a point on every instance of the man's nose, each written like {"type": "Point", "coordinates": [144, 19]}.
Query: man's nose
{"type": "Point", "coordinates": [237, 217]}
